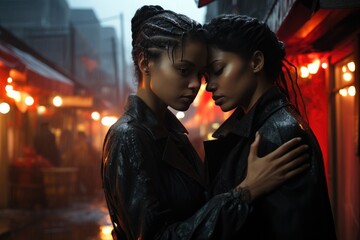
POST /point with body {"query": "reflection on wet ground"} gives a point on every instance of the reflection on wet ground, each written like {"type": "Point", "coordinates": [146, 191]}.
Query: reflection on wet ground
{"type": "Point", "coordinates": [87, 219]}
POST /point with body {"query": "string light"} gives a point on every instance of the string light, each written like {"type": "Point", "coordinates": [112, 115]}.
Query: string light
{"type": "Point", "coordinates": [4, 108]}
{"type": "Point", "coordinates": [347, 76]}
{"type": "Point", "coordinates": [304, 72]}
{"type": "Point", "coordinates": [95, 116]}
{"type": "Point", "coordinates": [29, 100]}
{"type": "Point", "coordinates": [351, 66]}
{"type": "Point", "coordinates": [343, 92]}
{"type": "Point", "coordinates": [57, 101]}
{"type": "Point", "coordinates": [351, 91]}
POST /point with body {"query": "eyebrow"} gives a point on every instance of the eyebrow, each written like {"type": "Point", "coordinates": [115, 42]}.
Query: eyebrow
{"type": "Point", "coordinates": [214, 61]}
{"type": "Point", "coordinates": [186, 61]}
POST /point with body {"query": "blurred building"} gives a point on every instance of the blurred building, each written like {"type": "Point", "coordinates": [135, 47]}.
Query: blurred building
{"type": "Point", "coordinates": [40, 23]}
{"type": "Point", "coordinates": [323, 40]}
{"type": "Point", "coordinates": [51, 70]}
{"type": "Point", "coordinates": [70, 38]}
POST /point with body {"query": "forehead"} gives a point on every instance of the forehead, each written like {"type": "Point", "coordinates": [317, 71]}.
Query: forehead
{"type": "Point", "coordinates": [191, 50]}
{"type": "Point", "coordinates": [218, 54]}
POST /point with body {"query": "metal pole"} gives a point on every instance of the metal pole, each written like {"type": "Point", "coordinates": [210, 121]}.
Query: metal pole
{"type": "Point", "coordinates": [72, 51]}
{"type": "Point", "coordinates": [116, 73]}
{"type": "Point", "coordinates": [123, 61]}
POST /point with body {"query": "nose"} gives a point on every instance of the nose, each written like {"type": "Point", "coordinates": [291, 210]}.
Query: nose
{"type": "Point", "coordinates": [194, 83]}
{"type": "Point", "coordinates": [211, 85]}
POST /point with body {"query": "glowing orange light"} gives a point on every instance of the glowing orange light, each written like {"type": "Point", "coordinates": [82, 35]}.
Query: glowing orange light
{"type": "Point", "coordinates": [29, 100]}
{"type": "Point", "coordinates": [351, 91]}
{"type": "Point", "coordinates": [41, 109]}
{"type": "Point", "coordinates": [343, 92]}
{"type": "Point", "coordinates": [351, 66]}
{"type": "Point", "coordinates": [347, 76]}
{"type": "Point", "coordinates": [304, 72]}
{"type": "Point", "coordinates": [95, 116]}
{"type": "Point", "coordinates": [9, 88]}
{"type": "Point", "coordinates": [4, 108]}
{"type": "Point", "coordinates": [314, 67]}
{"type": "Point", "coordinates": [57, 101]}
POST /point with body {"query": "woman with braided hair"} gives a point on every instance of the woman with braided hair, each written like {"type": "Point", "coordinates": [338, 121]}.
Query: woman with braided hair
{"type": "Point", "coordinates": [249, 73]}
{"type": "Point", "coordinates": [153, 179]}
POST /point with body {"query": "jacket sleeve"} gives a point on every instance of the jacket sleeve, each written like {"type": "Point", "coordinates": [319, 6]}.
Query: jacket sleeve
{"type": "Point", "coordinates": [135, 203]}
{"type": "Point", "coordinates": [300, 208]}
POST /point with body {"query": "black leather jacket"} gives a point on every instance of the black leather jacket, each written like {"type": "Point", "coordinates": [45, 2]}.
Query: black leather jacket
{"type": "Point", "coordinates": [154, 184]}
{"type": "Point", "coordinates": [300, 208]}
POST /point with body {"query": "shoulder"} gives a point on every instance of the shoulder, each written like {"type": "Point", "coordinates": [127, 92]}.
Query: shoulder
{"type": "Point", "coordinates": [126, 127]}
{"type": "Point", "coordinates": [283, 125]}
{"type": "Point", "coordinates": [126, 135]}
{"type": "Point", "coordinates": [126, 145]}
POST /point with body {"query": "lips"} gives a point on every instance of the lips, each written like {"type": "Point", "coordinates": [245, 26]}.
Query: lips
{"type": "Point", "coordinates": [218, 99]}
{"type": "Point", "coordinates": [189, 98]}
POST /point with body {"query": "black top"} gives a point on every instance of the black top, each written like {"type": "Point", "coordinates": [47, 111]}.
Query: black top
{"type": "Point", "coordinates": [153, 182]}
{"type": "Point", "coordinates": [300, 208]}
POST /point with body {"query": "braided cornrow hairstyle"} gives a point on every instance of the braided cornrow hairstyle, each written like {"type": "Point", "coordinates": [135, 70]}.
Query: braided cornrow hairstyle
{"type": "Point", "coordinates": [244, 35]}
{"type": "Point", "coordinates": [155, 30]}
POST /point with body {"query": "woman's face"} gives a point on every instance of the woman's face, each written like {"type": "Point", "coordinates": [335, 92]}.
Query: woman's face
{"type": "Point", "coordinates": [177, 81]}
{"type": "Point", "coordinates": [231, 79]}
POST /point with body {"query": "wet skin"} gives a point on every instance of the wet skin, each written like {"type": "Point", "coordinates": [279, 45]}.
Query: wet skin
{"type": "Point", "coordinates": [232, 80]}
{"type": "Point", "coordinates": [176, 81]}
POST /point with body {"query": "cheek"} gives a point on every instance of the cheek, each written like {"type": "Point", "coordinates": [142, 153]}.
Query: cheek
{"type": "Point", "coordinates": [232, 83]}
{"type": "Point", "coordinates": [165, 85]}
{"type": "Point", "coordinates": [238, 88]}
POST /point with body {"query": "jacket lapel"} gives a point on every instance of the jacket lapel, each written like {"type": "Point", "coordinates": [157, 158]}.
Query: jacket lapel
{"type": "Point", "coordinates": [175, 158]}
{"type": "Point", "coordinates": [215, 153]}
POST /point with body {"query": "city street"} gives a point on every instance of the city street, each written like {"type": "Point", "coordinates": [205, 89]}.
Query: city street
{"type": "Point", "coordinates": [85, 219]}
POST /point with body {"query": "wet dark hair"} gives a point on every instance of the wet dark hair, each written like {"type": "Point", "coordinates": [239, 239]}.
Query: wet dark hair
{"type": "Point", "coordinates": [244, 35]}
{"type": "Point", "coordinates": [155, 30]}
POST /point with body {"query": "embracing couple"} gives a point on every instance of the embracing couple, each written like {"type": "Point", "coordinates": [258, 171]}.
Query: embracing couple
{"type": "Point", "coordinates": [262, 178]}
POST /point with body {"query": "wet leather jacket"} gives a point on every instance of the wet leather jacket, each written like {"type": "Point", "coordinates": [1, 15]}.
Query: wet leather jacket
{"type": "Point", "coordinates": [300, 208]}
{"type": "Point", "coordinates": [154, 184]}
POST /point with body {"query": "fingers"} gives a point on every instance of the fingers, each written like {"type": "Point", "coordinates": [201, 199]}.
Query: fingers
{"type": "Point", "coordinates": [296, 171]}
{"type": "Point", "coordinates": [292, 154]}
{"type": "Point", "coordinates": [283, 149]}
{"type": "Point", "coordinates": [292, 165]}
{"type": "Point", "coordinates": [254, 147]}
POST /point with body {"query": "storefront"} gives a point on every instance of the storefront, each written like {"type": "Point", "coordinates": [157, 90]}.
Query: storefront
{"type": "Point", "coordinates": [322, 39]}
{"type": "Point", "coordinates": [28, 85]}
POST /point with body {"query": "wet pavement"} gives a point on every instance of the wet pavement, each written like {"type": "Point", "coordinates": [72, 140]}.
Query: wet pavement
{"type": "Point", "coordinates": [85, 219]}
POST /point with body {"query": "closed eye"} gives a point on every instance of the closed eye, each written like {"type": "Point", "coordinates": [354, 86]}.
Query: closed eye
{"type": "Point", "coordinates": [218, 71]}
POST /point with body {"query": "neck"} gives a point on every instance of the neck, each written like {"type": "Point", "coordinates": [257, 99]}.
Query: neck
{"type": "Point", "coordinates": [261, 89]}
{"type": "Point", "coordinates": [153, 102]}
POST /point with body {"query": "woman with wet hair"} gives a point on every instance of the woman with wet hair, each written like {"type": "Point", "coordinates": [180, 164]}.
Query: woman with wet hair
{"type": "Point", "coordinates": [153, 180]}
{"type": "Point", "coordinates": [249, 73]}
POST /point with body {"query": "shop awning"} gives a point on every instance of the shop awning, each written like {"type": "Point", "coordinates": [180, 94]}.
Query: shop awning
{"type": "Point", "coordinates": [39, 75]}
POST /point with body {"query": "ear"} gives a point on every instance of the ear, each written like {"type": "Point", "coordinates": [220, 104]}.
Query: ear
{"type": "Point", "coordinates": [143, 64]}
{"type": "Point", "coordinates": [257, 61]}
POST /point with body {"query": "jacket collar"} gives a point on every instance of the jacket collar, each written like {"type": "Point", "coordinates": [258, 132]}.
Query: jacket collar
{"type": "Point", "coordinates": [244, 124]}
{"type": "Point", "coordinates": [140, 112]}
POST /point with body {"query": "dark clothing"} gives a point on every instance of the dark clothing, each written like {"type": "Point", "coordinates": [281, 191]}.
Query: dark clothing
{"type": "Point", "coordinates": [300, 208]}
{"type": "Point", "coordinates": [153, 182]}
{"type": "Point", "coordinates": [45, 145]}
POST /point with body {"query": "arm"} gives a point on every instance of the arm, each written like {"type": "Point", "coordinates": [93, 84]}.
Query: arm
{"type": "Point", "coordinates": [133, 196]}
